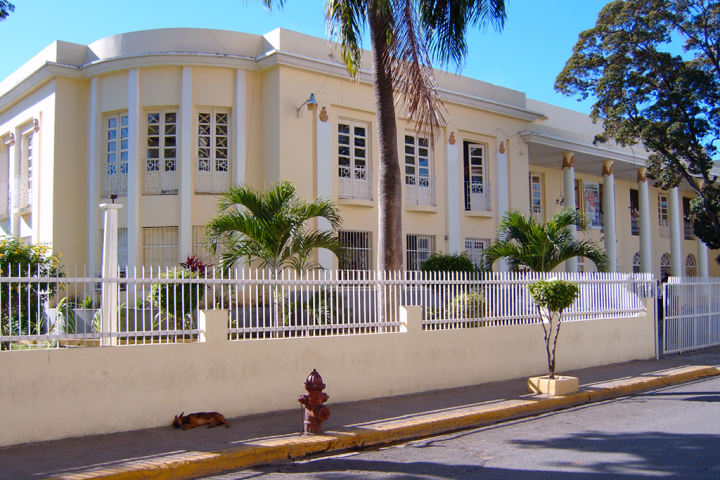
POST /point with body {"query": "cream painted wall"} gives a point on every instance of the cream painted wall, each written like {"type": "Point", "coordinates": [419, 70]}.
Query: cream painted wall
{"type": "Point", "coordinates": [114, 92]}
{"type": "Point", "coordinates": [129, 388]}
{"type": "Point", "coordinates": [213, 87]}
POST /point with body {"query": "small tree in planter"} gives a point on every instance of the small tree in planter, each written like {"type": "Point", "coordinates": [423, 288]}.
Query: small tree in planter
{"type": "Point", "coordinates": [552, 298]}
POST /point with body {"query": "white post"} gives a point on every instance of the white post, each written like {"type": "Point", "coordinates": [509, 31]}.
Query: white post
{"type": "Point", "coordinates": [135, 168]}
{"type": "Point", "coordinates": [239, 115]}
{"type": "Point", "coordinates": [676, 255]}
{"type": "Point", "coordinates": [646, 258]}
{"type": "Point", "coordinates": [703, 266]}
{"type": "Point", "coordinates": [609, 211]}
{"type": "Point", "coordinates": [454, 194]}
{"type": "Point", "coordinates": [186, 166]}
{"type": "Point", "coordinates": [109, 270]}
{"type": "Point", "coordinates": [568, 169]}
{"type": "Point", "coordinates": [324, 173]}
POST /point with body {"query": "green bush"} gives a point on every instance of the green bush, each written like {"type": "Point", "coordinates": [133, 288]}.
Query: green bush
{"type": "Point", "coordinates": [176, 299]}
{"type": "Point", "coordinates": [466, 305]}
{"type": "Point", "coordinates": [448, 262]}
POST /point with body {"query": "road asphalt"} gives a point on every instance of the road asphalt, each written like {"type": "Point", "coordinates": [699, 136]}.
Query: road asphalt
{"type": "Point", "coordinates": [166, 452]}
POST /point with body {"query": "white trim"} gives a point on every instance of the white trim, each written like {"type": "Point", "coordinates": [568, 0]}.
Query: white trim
{"type": "Point", "coordinates": [324, 177]}
{"type": "Point", "coordinates": [454, 196]}
{"type": "Point", "coordinates": [185, 163]}
{"type": "Point", "coordinates": [239, 114]}
{"type": "Point", "coordinates": [134, 179]}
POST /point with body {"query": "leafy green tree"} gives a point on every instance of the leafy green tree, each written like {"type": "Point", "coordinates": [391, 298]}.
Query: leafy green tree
{"type": "Point", "coordinates": [448, 262]}
{"type": "Point", "coordinates": [525, 243]}
{"type": "Point", "coordinates": [6, 8]}
{"type": "Point", "coordinates": [22, 304]}
{"type": "Point", "coordinates": [270, 227]}
{"type": "Point", "coordinates": [646, 94]}
{"type": "Point", "coordinates": [552, 298]}
{"type": "Point", "coordinates": [404, 35]}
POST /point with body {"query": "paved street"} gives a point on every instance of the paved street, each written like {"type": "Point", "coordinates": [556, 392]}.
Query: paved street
{"type": "Point", "coordinates": [669, 432]}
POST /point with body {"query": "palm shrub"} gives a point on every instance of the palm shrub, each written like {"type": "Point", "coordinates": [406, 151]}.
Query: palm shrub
{"type": "Point", "coordinates": [542, 247]}
{"type": "Point", "coordinates": [552, 297]}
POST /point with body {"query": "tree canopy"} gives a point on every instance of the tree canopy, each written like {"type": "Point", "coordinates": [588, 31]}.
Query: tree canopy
{"type": "Point", "coordinates": [648, 92]}
{"type": "Point", "coordinates": [6, 8]}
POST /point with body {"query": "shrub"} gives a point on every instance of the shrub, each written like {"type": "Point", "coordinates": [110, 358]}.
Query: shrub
{"type": "Point", "coordinates": [177, 300]}
{"type": "Point", "coordinates": [448, 262]}
{"type": "Point", "coordinates": [466, 306]}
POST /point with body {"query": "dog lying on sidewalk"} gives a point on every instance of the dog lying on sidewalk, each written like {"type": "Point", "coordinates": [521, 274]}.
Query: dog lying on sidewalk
{"type": "Point", "coordinates": [213, 419]}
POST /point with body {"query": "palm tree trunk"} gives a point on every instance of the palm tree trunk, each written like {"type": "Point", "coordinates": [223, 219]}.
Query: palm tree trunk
{"type": "Point", "coordinates": [390, 245]}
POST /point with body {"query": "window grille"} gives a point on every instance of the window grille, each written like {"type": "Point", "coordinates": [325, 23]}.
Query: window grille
{"type": "Point", "coordinates": [160, 247]}
{"type": "Point", "coordinates": [663, 222]}
{"type": "Point", "coordinates": [636, 266]}
{"type": "Point", "coordinates": [537, 202]}
{"type": "Point", "coordinates": [475, 248]}
{"type": "Point", "coordinates": [419, 249]}
{"type": "Point", "coordinates": [592, 204]}
{"type": "Point", "coordinates": [358, 254]}
{"type": "Point", "coordinates": [161, 163]}
{"type": "Point", "coordinates": [354, 167]}
{"type": "Point", "coordinates": [213, 161]}
{"type": "Point", "coordinates": [691, 266]}
{"type": "Point", "coordinates": [634, 212]}
{"type": "Point", "coordinates": [478, 196]}
{"type": "Point", "coordinates": [199, 249]}
{"type": "Point", "coordinates": [115, 167]}
{"type": "Point", "coordinates": [22, 189]}
{"type": "Point", "coordinates": [419, 181]}
{"type": "Point", "coordinates": [688, 219]}
{"type": "Point", "coordinates": [665, 267]}
{"type": "Point", "coordinates": [122, 248]}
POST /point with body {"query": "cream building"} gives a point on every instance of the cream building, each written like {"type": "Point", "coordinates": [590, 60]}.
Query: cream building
{"type": "Point", "coordinates": [166, 119]}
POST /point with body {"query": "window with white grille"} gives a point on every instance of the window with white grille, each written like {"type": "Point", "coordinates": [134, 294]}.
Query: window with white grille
{"type": "Point", "coordinates": [213, 149]}
{"type": "Point", "coordinates": [636, 266]}
{"type": "Point", "coordinates": [691, 269]}
{"type": "Point", "coordinates": [160, 247]}
{"type": "Point", "coordinates": [477, 190]}
{"type": "Point", "coordinates": [354, 166]}
{"type": "Point", "coordinates": [663, 222]}
{"type": "Point", "coordinates": [199, 249]}
{"type": "Point", "coordinates": [358, 253]}
{"type": "Point", "coordinates": [161, 160]}
{"type": "Point", "coordinates": [22, 189]}
{"type": "Point", "coordinates": [122, 248]}
{"type": "Point", "coordinates": [537, 202]}
{"type": "Point", "coordinates": [475, 248]}
{"type": "Point", "coordinates": [115, 158]}
{"type": "Point", "coordinates": [665, 267]}
{"type": "Point", "coordinates": [419, 180]}
{"type": "Point", "coordinates": [419, 249]}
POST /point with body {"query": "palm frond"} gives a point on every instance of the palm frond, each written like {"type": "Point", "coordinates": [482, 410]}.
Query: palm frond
{"type": "Point", "coordinates": [345, 20]}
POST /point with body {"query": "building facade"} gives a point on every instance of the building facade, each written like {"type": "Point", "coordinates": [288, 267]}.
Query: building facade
{"type": "Point", "coordinates": [162, 121]}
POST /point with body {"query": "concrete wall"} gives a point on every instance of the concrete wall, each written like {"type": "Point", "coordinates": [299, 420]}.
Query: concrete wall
{"type": "Point", "coordinates": [53, 394]}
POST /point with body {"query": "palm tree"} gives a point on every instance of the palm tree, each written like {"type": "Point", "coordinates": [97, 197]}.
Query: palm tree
{"type": "Point", "coordinates": [404, 35]}
{"type": "Point", "coordinates": [270, 227]}
{"type": "Point", "coordinates": [542, 247]}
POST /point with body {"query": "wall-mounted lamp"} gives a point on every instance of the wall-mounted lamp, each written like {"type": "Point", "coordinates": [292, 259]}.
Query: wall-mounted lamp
{"type": "Point", "coordinates": [560, 201]}
{"type": "Point", "coordinates": [311, 104]}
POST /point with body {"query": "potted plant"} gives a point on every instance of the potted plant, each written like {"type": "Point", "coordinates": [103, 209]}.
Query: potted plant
{"type": "Point", "coordinates": [552, 298]}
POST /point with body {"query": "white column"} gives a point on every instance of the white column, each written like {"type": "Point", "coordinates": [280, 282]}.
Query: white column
{"type": "Point", "coordinates": [568, 169]}
{"type": "Point", "coordinates": [646, 258]}
{"type": "Point", "coordinates": [609, 211]}
{"type": "Point", "coordinates": [239, 116]}
{"type": "Point", "coordinates": [503, 189]}
{"type": "Point", "coordinates": [186, 166]}
{"type": "Point", "coordinates": [94, 142]}
{"type": "Point", "coordinates": [453, 191]}
{"type": "Point", "coordinates": [135, 180]}
{"type": "Point", "coordinates": [675, 217]}
{"type": "Point", "coordinates": [13, 149]}
{"type": "Point", "coordinates": [703, 265]}
{"type": "Point", "coordinates": [109, 270]}
{"type": "Point", "coordinates": [324, 174]}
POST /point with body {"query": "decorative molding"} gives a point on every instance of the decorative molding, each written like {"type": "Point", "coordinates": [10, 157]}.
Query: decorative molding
{"type": "Point", "coordinates": [12, 140]}
{"type": "Point", "coordinates": [642, 175]}
{"type": "Point", "coordinates": [324, 115]}
{"type": "Point", "coordinates": [36, 125]}
{"type": "Point", "coordinates": [452, 140]}
{"type": "Point", "coordinates": [502, 147]}
{"type": "Point", "coordinates": [568, 162]}
{"type": "Point", "coordinates": [608, 171]}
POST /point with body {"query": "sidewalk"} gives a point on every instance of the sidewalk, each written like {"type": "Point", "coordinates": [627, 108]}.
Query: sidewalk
{"type": "Point", "coordinates": [172, 453]}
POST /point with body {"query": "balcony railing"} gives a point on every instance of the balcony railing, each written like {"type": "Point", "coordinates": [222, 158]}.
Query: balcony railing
{"type": "Point", "coordinates": [635, 226]}
{"type": "Point", "coordinates": [4, 200]}
{"type": "Point", "coordinates": [115, 184]}
{"type": "Point", "coordinates": [422, 192]}
{"type": "Point", "coordinates": [211, 181]}
{"type": "Point", "coordinates": [478, 197]}
{"type": "Point", "coordinates": [689, 230]}
{"type": "Point", "coordinates": [355, 182]}
{"type": "Point", "coordinates": [161, 177]}
{"type": "Point", "coordinates": [21, 192]}
{"type": "Point", "coordinates": [537, 213]}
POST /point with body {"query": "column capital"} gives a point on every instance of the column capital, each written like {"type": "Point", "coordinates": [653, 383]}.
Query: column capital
{"type": "Point", "coordinates": [568, 160]}
{"type": "Point", "coordinates": [642, 175]}
{"type": "Point", "coordinates": [110, 206]}
{"type": "Point", "coordinates": [700, 183]}
{"type": "Point", "coordinates": [608, 168]}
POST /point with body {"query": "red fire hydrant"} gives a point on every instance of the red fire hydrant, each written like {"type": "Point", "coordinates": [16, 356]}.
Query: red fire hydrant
{"type": "Point", "coordinates": [315, 411]}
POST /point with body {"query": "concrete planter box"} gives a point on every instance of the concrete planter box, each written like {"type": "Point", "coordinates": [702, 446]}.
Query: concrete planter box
{"type": "Point", "coordinates": [553, 386]}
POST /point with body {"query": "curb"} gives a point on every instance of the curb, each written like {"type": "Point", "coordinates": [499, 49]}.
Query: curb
{"type": "Point", "coordinates": [196, 464]}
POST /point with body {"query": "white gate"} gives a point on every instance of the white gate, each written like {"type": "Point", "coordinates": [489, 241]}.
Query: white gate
{"type": "Point", "coordinates": [691, 314]}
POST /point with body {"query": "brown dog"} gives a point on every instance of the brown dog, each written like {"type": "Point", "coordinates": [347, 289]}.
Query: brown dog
{"type": "Point", "coordinates": [213, 419]}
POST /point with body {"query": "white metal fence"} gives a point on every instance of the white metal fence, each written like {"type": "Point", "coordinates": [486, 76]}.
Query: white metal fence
{"type": "Point", "coordinates": [154, 306]}
{"type": "Point", "coordinates": [691, 309]}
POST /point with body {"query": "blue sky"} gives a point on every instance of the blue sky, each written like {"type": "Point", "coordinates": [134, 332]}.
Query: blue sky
{"type": "Point", "coordinates": [526, 56]}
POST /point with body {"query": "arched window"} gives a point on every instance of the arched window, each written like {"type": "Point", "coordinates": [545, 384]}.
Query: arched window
{"type": "Point", "coordinates": [636, 263]}
{"type": "Point", "coordinates": [581, 264]}
{"type": "Point", "coordinates": [690, 266]}
{"type": "Point", "coordinates": [664, 267]}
